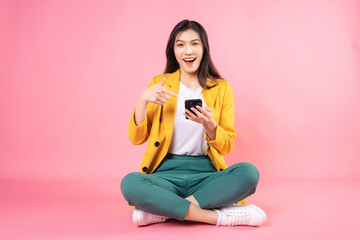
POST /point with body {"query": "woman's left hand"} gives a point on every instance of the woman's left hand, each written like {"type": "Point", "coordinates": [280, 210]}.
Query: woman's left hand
{"type": "Point", "coordinates": [203, 116]}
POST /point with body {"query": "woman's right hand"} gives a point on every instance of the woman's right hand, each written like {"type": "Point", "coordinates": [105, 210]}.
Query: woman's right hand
{"type": "Point", "coordinates": [157, 93]}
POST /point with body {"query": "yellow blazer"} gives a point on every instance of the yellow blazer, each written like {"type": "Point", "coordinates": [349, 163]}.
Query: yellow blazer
{"type": "Point", "coordinates": [158, 124]}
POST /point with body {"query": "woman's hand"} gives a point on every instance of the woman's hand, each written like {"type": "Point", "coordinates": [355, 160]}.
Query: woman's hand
{"type": "Point", "coordinates": [203, 116]}
{"type": "Point", "coordinates": [157, 93]}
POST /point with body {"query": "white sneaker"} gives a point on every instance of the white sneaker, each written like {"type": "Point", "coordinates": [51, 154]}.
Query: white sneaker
{"type": "Point", "coordinates": [142, 218]}
{"type": "Point", "coordinates": [246, 214]}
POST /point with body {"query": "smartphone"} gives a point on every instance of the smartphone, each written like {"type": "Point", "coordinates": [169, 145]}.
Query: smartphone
{"type": "Point", "coordinates": [192, 103]}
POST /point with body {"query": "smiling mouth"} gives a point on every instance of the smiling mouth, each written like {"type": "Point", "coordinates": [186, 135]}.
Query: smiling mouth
{"type": "Point", "coordinates": [189, 60]}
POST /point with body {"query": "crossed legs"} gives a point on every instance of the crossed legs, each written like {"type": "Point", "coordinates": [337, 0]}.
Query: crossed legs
{"type": "Point", "coordinates": [160, 197]}
{"type": "Point", "coordinates": [197, 214]}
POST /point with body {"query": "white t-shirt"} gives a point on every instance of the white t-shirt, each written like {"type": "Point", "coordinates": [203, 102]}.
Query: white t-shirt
{"type": "Point", "coordinates": [188, 137]}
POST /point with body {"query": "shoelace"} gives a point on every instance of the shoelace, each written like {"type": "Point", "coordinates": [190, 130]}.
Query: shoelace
{"type": "Point", "coordinates": [237, 218]}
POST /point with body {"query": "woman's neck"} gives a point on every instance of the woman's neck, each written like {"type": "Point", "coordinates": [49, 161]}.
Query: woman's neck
{"type": "Point", "coordinates": [189, 80]}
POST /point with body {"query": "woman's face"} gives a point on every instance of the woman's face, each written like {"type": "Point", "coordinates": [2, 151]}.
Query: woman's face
{"type": "Point", "coordinates": [188, 50]}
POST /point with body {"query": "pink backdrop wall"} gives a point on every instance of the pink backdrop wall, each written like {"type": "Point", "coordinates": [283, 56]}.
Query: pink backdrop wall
{"type": "Point", "coordinates": [71, 72]}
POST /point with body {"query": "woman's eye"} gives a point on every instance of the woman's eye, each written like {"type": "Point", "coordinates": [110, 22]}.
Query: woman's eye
{"type": "Point", "coordinates": [195, 43]}
{"type": "Point", "coordinates": [180, 45]}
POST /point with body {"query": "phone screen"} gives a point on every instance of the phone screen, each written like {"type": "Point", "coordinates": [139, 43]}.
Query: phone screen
{"type": "Point", "coordinates": [192, 103]}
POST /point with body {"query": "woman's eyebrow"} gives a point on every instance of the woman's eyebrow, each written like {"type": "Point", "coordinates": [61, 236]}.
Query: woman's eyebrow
{"type": "Point", "coordinates": [190, 40]}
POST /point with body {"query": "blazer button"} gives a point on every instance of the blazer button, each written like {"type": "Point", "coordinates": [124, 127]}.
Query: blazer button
{"type": "Point", "coordinates": [157, 144]}
{"type": "Point", "coordinates": [160, 119]}
{"type": "Point", "coordinates": [221, 169]}
{"type": "Point", "coordinates": [144, 169]}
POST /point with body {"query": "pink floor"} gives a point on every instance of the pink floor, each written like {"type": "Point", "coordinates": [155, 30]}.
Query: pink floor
{"type": "Point", "coordinates": [96, 210]}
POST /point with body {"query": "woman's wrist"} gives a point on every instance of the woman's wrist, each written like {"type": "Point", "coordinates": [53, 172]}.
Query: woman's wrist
{"type": "Point", "coordinates": [210, 129]}
{"type": "Point", "coordinates": [210, 125]}
{"type": "Point", "coordinates": [141, 100]}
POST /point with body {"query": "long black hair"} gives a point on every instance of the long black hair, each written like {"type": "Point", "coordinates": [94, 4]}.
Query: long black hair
{"type": "Point", "coordinates": [206, 68]}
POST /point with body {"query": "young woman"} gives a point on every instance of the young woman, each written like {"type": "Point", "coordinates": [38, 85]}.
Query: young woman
{"type": "Point", "coordinates": [183, 174]}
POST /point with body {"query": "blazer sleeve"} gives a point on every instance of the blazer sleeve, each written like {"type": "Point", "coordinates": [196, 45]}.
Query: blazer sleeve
{"type": "Point", "coordinates": [225, 131]}
{"type": "Point", "coordinates": [138, 134]}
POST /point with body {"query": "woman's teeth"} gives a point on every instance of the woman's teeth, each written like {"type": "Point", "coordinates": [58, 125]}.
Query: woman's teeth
{"type": "Point", "coordinates": [189, 60]}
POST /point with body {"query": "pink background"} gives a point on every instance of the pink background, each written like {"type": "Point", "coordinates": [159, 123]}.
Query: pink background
{"type": "Point", "coordinates": [71, 73]}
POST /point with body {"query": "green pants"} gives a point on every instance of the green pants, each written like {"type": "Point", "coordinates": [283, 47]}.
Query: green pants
{"type": "Point", "coordinates": [180, 176]}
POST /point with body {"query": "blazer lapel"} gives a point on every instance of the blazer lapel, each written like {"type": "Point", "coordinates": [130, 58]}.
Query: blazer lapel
{"type": "Point", "coordinates": [172, 83]}
{"type": "Point", "coordinates": [209, 96]}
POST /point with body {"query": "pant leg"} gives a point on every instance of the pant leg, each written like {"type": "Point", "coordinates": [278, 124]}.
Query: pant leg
{"type": "Point", "coordinates": [228, 186]}
{"type": "Point", "coordinates": [154, 195]}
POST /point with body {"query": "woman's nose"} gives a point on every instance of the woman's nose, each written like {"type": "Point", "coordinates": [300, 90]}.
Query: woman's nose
{"type": "Point", "coordinates": [189, 50]}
